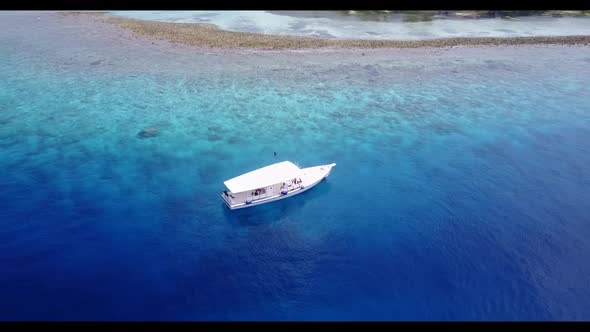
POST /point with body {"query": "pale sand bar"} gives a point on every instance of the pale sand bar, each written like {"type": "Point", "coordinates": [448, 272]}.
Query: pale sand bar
{"type": "Point", "coordinates": [208, 35]}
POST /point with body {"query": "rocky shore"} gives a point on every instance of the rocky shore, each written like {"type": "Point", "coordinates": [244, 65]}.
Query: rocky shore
{"type": "Point", "coordinates": [208, 35]}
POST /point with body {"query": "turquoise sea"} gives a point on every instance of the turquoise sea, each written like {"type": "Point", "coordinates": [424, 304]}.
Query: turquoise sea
{"type": "Point", "coordinates": [460, 193]}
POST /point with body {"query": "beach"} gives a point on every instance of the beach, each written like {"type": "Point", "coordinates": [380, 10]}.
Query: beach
{"type": "Point", "coordinates": [208, 35]}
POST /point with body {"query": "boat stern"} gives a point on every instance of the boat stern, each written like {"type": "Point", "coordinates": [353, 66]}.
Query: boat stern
{"type": "Point", "coordinates": [226, 200]}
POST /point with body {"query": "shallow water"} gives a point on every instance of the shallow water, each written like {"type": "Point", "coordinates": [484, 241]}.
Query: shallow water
{"type": "Point", "coordinates": [331, 24]}
{"type": "Point", "coordinates": [460, 192]}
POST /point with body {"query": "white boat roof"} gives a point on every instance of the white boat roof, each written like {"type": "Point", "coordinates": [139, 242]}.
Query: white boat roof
{"type": "Point", "coordinates": [263, 177]}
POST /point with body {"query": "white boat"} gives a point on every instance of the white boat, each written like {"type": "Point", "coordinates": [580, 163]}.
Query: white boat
{"type": "Point", "coordinates": [272, 183]}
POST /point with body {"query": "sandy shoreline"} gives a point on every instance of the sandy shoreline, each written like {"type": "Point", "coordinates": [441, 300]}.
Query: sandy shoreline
{"type": "Point", "coordinates": [209, 35]}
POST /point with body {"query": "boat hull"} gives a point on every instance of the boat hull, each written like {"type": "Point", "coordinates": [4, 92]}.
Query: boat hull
{"type": "Point", "coordinates": [311, 176]}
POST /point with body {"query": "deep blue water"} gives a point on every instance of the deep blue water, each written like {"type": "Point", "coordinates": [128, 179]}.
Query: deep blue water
{"type": "Point", "coordinates": [460, 193]}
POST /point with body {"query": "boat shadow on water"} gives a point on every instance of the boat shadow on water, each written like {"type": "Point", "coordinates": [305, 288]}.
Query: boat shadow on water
{"type": "Point", "coordinates": [277, 210]}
